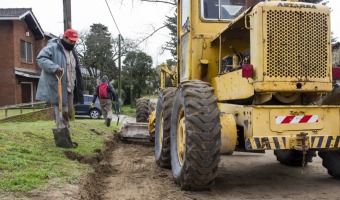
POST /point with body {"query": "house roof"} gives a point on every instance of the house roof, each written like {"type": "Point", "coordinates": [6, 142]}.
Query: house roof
{"type": "Point", "coordinates": [25, 14]}
{"type": "Point", "coordinates": [27, 72]}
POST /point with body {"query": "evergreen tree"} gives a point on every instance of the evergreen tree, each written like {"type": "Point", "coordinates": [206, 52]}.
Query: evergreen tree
{"type": "Point", "coordinates": [137, 72]}
{"type": "Point", "coordinates": [98, 56]}
{"type": "Point", "coordinates": [171, 45]}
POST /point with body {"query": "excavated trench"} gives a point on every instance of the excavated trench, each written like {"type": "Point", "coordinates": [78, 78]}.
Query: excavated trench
{"type": "Point", "coordinates": [93, 182]}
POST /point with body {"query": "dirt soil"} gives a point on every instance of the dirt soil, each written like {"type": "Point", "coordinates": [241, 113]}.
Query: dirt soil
{"type": "Point", "coordinates": [129, 172]}
{"type": "Point", "coordinates": [241, 176]}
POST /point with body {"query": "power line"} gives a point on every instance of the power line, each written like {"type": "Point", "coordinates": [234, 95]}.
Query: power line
{"type": "Point", "coordinates": [119, 57]}
{"type": "Point", "coordinates": [112, 16]}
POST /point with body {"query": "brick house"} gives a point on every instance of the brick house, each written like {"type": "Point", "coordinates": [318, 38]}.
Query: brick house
{"type": "Point", "coordinates": [21, 39]}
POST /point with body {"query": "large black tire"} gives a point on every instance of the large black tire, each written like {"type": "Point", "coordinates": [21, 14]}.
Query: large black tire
{"type": "Point", "coordinates": [331, 161]}
{"type": "Point", "coordinates": [162, 127]}
{"type": "Point", "coordinates": [293, 157]}
{"type": "Point", "coordinates": [142, 110]}
{"type": "Point", "coordinates": [195, 136]}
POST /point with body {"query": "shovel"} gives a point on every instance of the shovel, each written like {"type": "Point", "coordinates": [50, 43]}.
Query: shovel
{"type": "Point", "coordinates": [60, 93]}
{"type": "Point", "coordinates": [116, 112]}
{"type": "Point", "coordinates": [117, 119]}
{"type": "Point", "coordinates": [114, 104]}
{"type": "Point", "coordinates": [61, 135]}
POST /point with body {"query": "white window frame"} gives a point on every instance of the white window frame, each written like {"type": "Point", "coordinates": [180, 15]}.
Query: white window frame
{"type": "Point", "coordinates": [31, 84]}
{"type": "Point", "coordinates": [219, 12]}
{"type": "Point", "coordinates": [25, 57]}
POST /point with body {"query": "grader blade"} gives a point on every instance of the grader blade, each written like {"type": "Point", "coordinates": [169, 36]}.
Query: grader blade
{"type": "Point", "coordinates": [135, 132]}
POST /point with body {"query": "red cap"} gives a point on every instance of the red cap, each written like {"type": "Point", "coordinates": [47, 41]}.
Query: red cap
{"type": "Point", "coordinates": [71, 34]}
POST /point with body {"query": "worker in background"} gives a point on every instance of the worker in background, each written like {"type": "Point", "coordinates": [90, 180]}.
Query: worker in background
{"type": "Point", "coordinates": [106, 95]}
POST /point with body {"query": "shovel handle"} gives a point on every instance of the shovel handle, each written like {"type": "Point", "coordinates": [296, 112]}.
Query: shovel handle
{"type": "Point", "coordinates": [59, 76]}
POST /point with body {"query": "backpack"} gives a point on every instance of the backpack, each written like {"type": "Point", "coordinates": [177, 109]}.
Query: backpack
{"type": "Point", "coordinates": [103, 90]}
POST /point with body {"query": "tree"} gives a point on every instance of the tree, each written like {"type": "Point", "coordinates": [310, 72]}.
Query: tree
{"type": "Point", "coordinates": [171, 45]}
{"type": "Point", "coordinates": [170, 23]}
{"type": "Point", "coordinates": [333, 39]}
{"type": "Point", "coordinates": [89, 82]}
{"type": "Point", "coordinates": [172, 2]}
{"type": "Point", "coordinates": [137, 72]}
{"type": "Point", "coordinates": [97, 55]}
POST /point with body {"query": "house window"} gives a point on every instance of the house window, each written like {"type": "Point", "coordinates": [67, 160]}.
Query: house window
{"type": "Point", "coordinates": [26, 51]}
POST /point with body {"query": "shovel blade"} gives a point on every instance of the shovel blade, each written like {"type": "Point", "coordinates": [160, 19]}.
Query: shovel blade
{"type": "Point", "coordinates": [62, 137]}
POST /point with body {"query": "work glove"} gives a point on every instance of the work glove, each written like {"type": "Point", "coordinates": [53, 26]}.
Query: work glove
{"type": "Point", "coordinates": [59, 70]}
{"type": "Point", "coordinates": [92, 105]}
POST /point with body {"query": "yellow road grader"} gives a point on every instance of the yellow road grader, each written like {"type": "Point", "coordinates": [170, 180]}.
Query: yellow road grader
{"type": "Point", "coordinates": [251, 76]}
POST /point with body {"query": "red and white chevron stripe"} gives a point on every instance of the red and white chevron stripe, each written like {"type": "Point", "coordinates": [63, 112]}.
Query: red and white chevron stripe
{"type": "Point", "coordinates": [299, 119]}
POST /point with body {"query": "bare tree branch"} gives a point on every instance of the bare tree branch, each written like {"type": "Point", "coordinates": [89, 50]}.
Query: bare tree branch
{"type": "Point", "coordinates": [160, 1]}
{"type": "Point", "coordinates": [151, 34]}
{"type": "Point", "coordinates": [143, 39]}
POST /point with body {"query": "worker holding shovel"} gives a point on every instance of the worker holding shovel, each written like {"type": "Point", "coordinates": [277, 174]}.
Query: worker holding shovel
{"type": "Point", "coordinates": [60, 83]}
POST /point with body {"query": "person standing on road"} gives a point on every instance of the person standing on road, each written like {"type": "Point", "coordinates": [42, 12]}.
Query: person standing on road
{"type": "Point", "coordinates": [59, 56]}
{"type": "Point", "coordinates": [106, 94]}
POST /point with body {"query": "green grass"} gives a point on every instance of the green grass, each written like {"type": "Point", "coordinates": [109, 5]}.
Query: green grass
{"type": "Point", "coordinates": [30, 160]}
{"type": "Point", "coordinates": [16, 111]}
{"type": "Point", "coordinates": [127, 110]}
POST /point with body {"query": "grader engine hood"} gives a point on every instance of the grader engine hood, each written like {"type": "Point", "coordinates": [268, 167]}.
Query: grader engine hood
{"type": "Point", "coordinates": [289, 46]}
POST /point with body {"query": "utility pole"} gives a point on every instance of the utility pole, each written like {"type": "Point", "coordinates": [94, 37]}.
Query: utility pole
{"type": "Point", "coordinates": [68, 25]}
{"type": "Point", "coordinates": [131, 86]}
{"type": "Point", "coordinates": [119, 70]}
{"type": "Point", "coordinates": [67, 14]}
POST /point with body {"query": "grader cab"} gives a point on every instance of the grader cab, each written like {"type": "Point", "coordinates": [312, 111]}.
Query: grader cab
{"type": "Point", "coordinates": [251, 76]}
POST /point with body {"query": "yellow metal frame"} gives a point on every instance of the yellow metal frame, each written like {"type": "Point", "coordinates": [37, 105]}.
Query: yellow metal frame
{"type": "Point", "coordinates": [238, 87]}
{"type": "Point", "coordinates": [282, 142]}
{"type": "Point", "coordinates": [199, 45]}
{"type": "Point", "coordinates": [151, 124]}
{"type": "Point", "coordinates": [252, 28]}
{"type": "Point", "coordinates": [166, 73]}
{"type": "Point", "coordinates": [228, 133]}
{"type": "Point", "coordinates": [261, 128]}
{"type": "Point", "coordinates": [203, 44]}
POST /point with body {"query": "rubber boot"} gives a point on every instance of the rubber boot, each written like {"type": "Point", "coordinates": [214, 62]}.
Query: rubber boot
{"type": "Point", "coordinates": [108, 122]}
{"type": "Point", "coordinates": [73, 144]}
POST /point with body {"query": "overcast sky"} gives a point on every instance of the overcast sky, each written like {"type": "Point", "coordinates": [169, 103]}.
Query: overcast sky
{"type": "Point", "coordinates": [134, 19]}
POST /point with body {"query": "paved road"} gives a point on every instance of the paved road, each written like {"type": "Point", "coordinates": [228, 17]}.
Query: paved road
{"type": "Point", "coordinates": [122, 118]}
